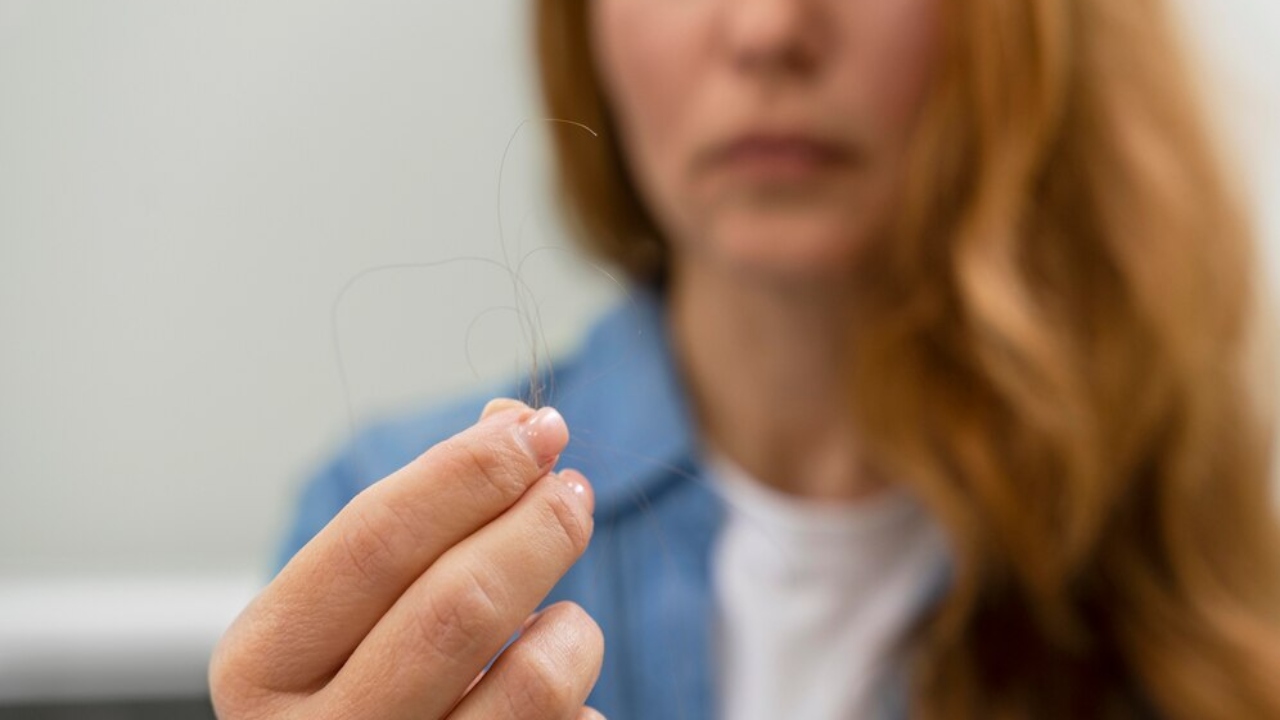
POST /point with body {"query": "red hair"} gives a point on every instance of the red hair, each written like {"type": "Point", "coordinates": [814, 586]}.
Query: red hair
{"type": "Point", "coordinates": [1055, 359]}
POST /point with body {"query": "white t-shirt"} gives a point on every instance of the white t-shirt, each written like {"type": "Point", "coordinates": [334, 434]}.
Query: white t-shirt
{"type": "Point", "coordinates": [813, 598]}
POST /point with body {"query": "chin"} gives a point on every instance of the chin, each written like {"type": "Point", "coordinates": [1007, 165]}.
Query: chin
{"type": "Point", "coordinates": [797, 247]}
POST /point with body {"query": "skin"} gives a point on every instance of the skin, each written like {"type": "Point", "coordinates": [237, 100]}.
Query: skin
{"type": "Point", "coordinates": [765, 245]}
{"type": "Point", "coordinates": [395, 608]}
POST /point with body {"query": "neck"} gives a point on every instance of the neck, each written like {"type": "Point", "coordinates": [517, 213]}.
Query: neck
{"type": "Point", "coordinates": [766, 365]}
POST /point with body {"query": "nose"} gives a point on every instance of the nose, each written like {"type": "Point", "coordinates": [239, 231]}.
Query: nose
{"type": "Point", "coordinates": [773, 35]}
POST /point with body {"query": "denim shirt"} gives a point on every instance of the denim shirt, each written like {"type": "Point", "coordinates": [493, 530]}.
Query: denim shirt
{"type": "Point", "coordinates": [646, 577]}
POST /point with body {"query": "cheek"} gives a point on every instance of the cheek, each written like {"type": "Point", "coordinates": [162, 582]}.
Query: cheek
{"type": "Point", "coordinates": [653, 58]}
{"type": "Point", "coordinates": [899, 60]}
{"type": "Point", "coordinates": [646, 54]}
{"type": "Point", "coordinates": [887, 72]}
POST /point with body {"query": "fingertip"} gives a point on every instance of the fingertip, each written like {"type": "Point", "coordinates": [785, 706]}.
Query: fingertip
{"type": "Point", "coordinates": [543, 435]}
{"type": "Point", "coordinates": [580, 486]}
{"type": "Point", "coordinates": [498, 405]}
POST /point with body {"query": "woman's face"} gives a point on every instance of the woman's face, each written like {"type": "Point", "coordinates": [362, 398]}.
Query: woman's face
{"type": "Point", "coordinates": [767, 136]}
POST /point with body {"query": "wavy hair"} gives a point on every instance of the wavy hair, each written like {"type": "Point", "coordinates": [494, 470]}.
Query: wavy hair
{"type": "Point", "coordinates": [1063, 358]}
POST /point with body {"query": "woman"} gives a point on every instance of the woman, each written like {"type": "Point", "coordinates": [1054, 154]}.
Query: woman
{"type": "Point", "coordinates": [958, 289]}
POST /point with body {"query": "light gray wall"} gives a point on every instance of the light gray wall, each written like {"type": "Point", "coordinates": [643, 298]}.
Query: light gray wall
{"type": "Point", "coordinates": [184, 188]}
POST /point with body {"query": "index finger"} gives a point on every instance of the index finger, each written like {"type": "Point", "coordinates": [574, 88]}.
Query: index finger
{"type": "Point", "coordinates": [319, 608]}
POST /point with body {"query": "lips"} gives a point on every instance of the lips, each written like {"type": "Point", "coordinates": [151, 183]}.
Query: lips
{"type": "Point", "coordinates": [779, 157]}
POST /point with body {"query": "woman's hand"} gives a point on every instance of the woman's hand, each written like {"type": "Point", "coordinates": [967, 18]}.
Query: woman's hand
{"type": "Point", "coordinates": [395, 608]}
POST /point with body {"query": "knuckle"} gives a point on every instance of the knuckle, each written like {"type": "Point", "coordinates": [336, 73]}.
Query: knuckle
{"type": "Point", "coordinates": [571, 519]}
{"type": "Point", "coordinates": [224, 679]}
{"type": "Point", "coordinates": [556, 666]}
{"type": "Point", "coordinates": [233, 704]}
{"type": "Point", "coordinates": [588, 636]}
{"type": "Point", "coordinates": [369, 548]}
{"type": "Point", "coordinates": [501, 474]}
{"type": "Point", "coordinates": [580, 633]}
{"type": "Point", "coordinates": [233, 695]}
{"type": "Point", "coordinates": [541, 685]}
{"type": "Point", "coordinates": [463, 621]}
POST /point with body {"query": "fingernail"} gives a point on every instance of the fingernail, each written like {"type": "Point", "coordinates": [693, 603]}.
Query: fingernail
{"type": "Point", "coordinates": [543, 435]}
{"type": "Point", "coordinates": [578, 484]}
{"type": "Point", "coordinates": [497, 405]}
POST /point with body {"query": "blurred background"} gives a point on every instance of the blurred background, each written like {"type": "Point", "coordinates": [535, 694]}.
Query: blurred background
{"type": "Point", "coordinates": [186, 188]}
